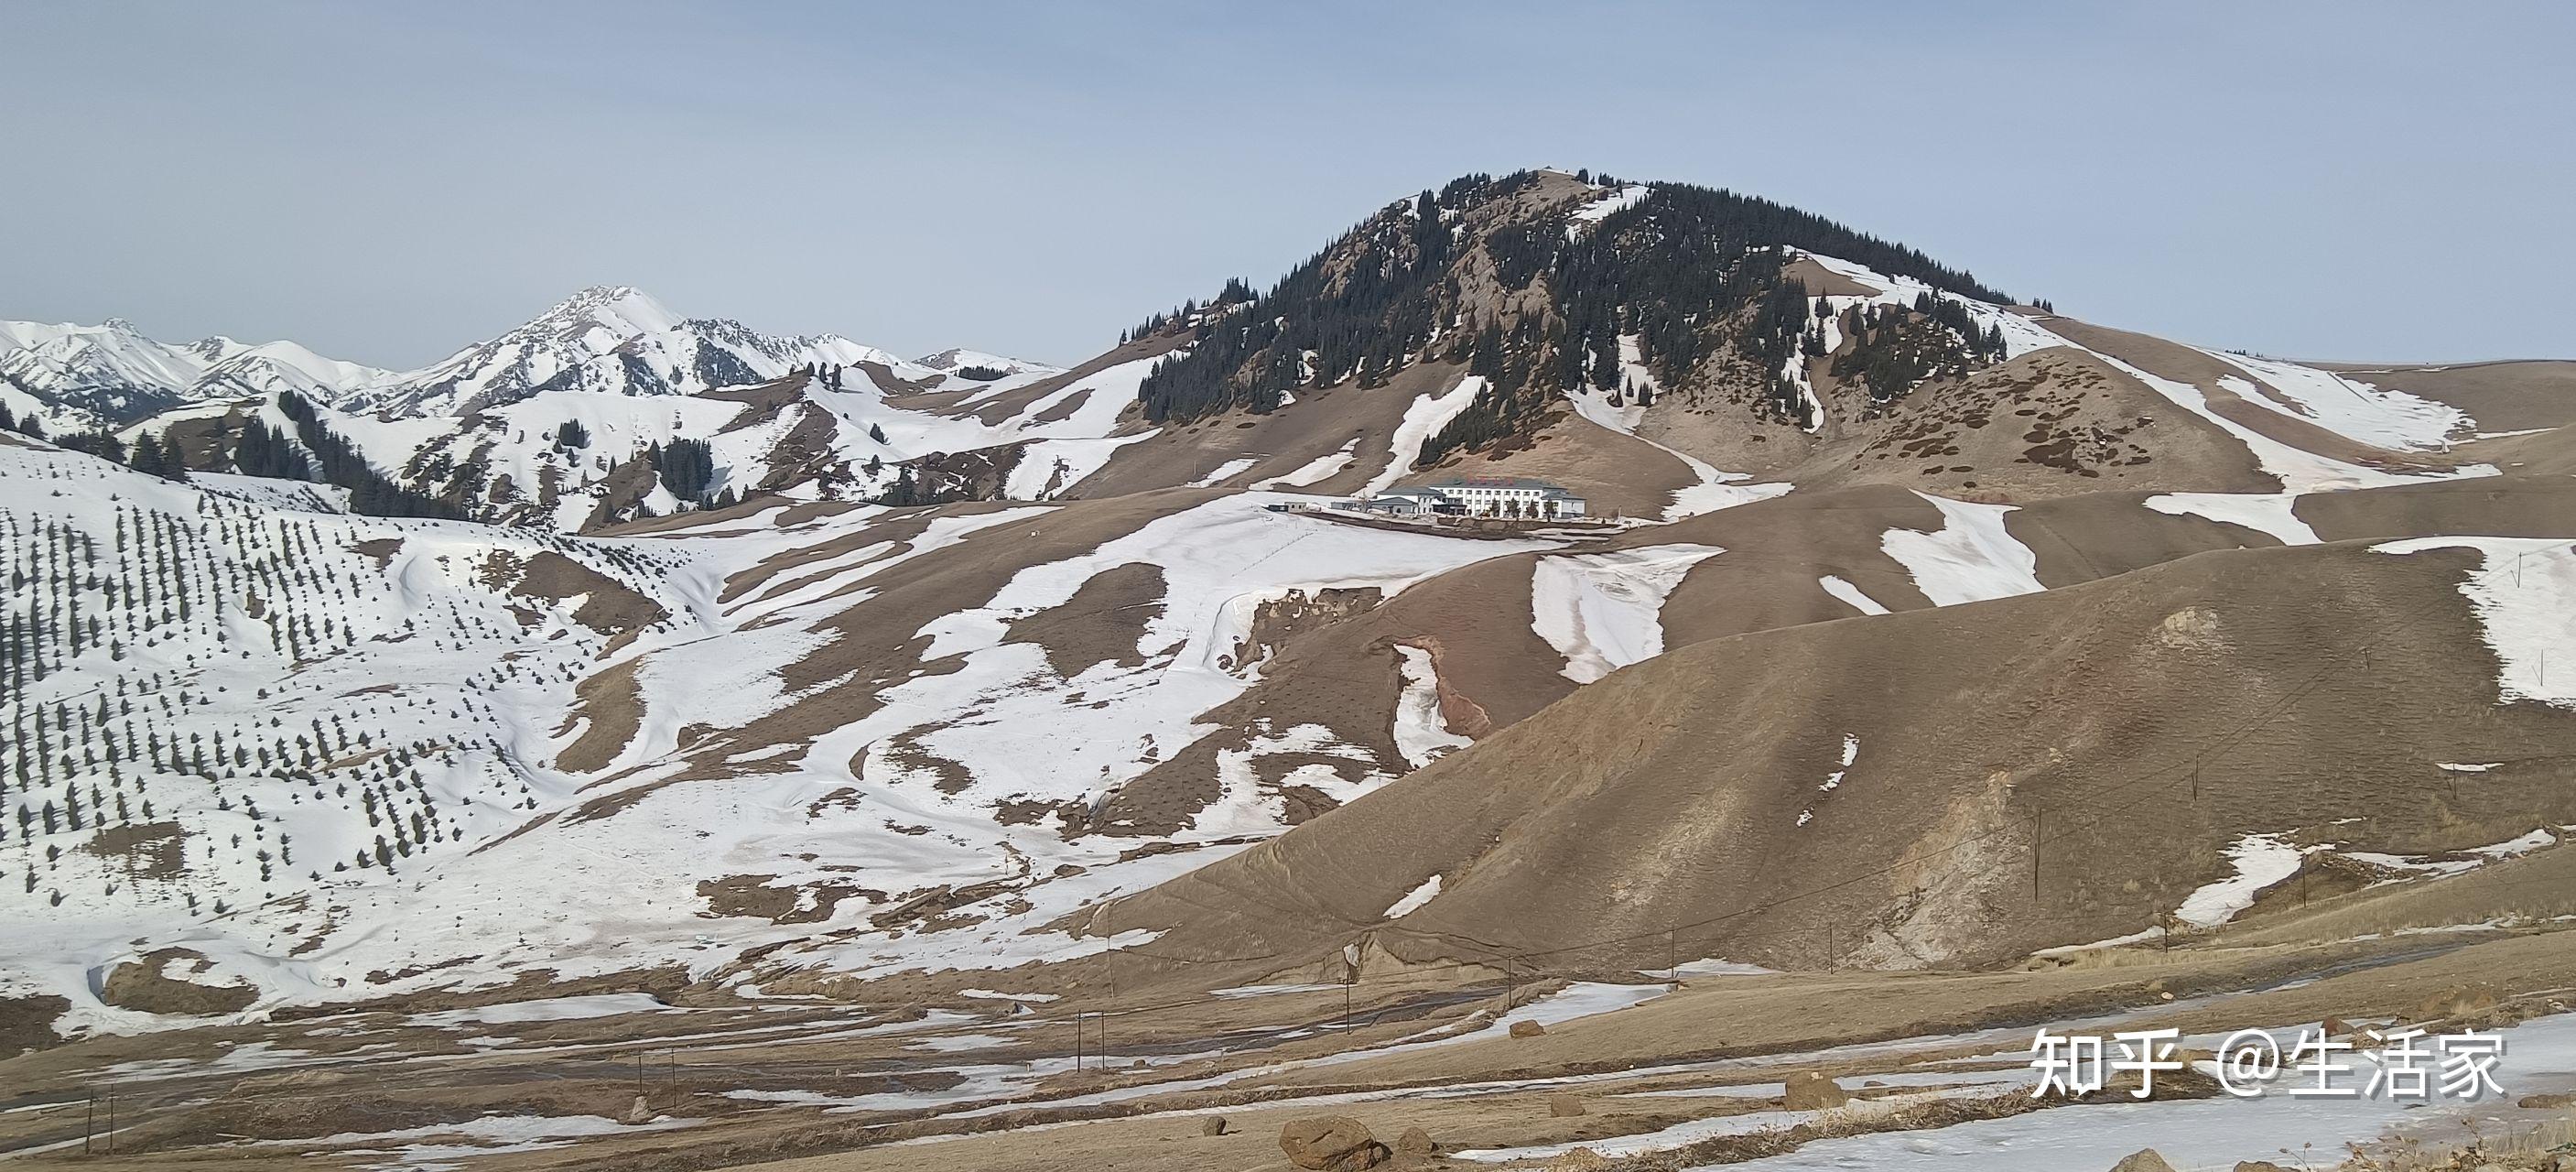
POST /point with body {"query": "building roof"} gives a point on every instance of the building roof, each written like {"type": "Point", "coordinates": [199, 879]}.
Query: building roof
{"type": "Point", "coordinates": [1544, 487]}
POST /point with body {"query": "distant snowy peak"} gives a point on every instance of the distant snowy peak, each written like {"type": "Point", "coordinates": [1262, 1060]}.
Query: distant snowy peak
{"type": "Point", "coordinates": [81, 376]}
{"type": "Point", "coordinates": [282, 366]}
{"type": "Point", "coordinates": [608, 339]}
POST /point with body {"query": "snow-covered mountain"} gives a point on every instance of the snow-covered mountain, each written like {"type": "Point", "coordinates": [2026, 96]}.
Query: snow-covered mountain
{"type": "Point", "coordinates": [75, 376]}
{"type": "Point", "coordinates": [610, 339]}
{"type": "Point", "coordinates": [604, 340]}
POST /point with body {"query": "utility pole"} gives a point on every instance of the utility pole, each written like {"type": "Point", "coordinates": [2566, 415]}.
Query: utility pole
{"type": "Point", "coordinates": [1672, 965]}
{"type": "Point", "coordinates": [2036, 823]}
{"type": "Point", "coordinates": [1350, 981]}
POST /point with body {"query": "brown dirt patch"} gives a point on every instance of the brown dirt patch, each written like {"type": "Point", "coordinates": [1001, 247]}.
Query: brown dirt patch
{"type": "Point", "coordinates": [1101, 623]}
{"type": "Point", "coordinates": [609, 606]}
{"type": "Point", "coordinates": [150, 850]}
{"type": "Point", "coordinates": [613, 702]}
{"type": "Point", "coordinates": [144, 985]}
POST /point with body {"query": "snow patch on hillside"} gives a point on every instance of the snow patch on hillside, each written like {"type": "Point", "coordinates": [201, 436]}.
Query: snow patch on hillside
{"type": "Point", "coordinates": [1414, 899]}
{"type": "Point", "coordinates": [2347, 407]}
{"type": "Point", "coordinates": [1973, 558]}
{"type": "Point", "coordinates": [2525, 600]}
{"type": "Point", "coordinates": [1423, 419]}
{"type": "Point", "coordinates": [2269, 513]}
{"type": "Point", "coordinates": [2260, 860]}
{"type": "Point", "coordinates": [2021, 335]}
{"type": "Point", "coordinates": [1602, 610]}
{"type": "Point", "coordinates": [1852, 595]}
{"type": "Point", "coordinates": [1050, 466]}
{"type": "Point", "coordinates": [1225, 472]}
{"type": "Point", "coordinates": [1420, 734]}
{"type": "Point", "coordinates": [1321, 468]}
{"type": "Point", "coordinates": [2298, 470]}
{"type": "Point", "coordinates": [1583, 218]}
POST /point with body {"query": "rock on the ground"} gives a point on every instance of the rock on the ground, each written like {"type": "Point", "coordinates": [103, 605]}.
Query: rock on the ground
{"type": "Point", "coordinates": [1331, 1143]}
{"type": "Point", "coordinates": [2259, 1166]}
{"type": "Point", "coordinates": [1212, 1125]}
{"type": "Point", "coordinates": [1527, 1029]}
{"type": "Point", "coordinates": [2544, 1101]}
{"type": "Point", "coordinates": [1562, 1106]}
{"type": "Point", "coordinates": [1810, 1090]}
{"type": "Point", "coordinates": [641, 1112]}
{"type": "Point", "coordinates": [1414, 1142]}
{"type": "Point", "coordinates": [2143, 1160]}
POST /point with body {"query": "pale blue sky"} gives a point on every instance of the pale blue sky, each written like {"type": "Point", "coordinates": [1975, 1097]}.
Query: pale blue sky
{"type": "Point", "coordinates": [387, 182]}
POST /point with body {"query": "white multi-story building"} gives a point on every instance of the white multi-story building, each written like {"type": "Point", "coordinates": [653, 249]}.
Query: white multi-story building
{"type": "Point", "coordinates": [1478, 496]}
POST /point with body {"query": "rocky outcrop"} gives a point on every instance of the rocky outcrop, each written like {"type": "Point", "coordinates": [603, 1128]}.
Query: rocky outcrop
{"type": "Point", "coordinates": [1810, 1090]}
{"type": "Point", "coordinates": [1331, 1143]}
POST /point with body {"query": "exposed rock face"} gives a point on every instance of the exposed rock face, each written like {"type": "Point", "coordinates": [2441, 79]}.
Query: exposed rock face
{"type": "Point", "coordinates": [1331, 1143]}
{"type": "Point", "coordinates": [1810, 1090]}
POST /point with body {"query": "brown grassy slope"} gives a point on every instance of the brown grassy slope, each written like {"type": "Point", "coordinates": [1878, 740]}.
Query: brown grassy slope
{"type": "Point", "coordinates": [2050, 423]}
{"type": "Point", "coordinates": [2501, 396]}
{"type": "Point", "coordinates": [1672, 792]}
{"type": "Point", "coordinates": [1494, 670]}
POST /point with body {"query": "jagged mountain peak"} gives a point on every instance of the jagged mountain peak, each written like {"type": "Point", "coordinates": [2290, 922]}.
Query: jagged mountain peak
{"type": "Point", "coordinates": [607, 339]}
{"type": "Point", "coordinates": [622, 310]}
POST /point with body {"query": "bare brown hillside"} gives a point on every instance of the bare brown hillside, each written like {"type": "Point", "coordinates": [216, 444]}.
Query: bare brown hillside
{"type": "Point", "coordinates": [2131, 730]}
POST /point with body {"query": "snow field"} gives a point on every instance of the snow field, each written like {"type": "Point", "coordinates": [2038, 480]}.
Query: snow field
{"type": "Point", "coordinates": [1971, 559]}
{"type": "Point", "coordinates": [1601, 610]}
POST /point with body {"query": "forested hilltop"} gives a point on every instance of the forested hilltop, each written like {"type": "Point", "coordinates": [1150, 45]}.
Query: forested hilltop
{"type": "Point", "coordinates": [1533, 280]}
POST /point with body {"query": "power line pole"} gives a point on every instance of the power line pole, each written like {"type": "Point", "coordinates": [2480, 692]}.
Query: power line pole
{"type": "Point", "coordinates": [2036, 823]}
